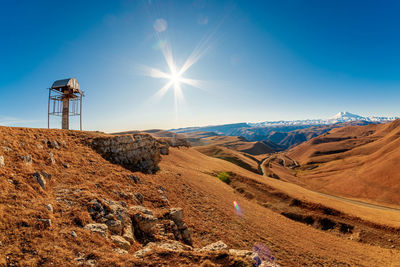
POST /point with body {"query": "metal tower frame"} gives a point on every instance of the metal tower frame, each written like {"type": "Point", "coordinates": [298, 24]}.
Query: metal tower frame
{"type": "Point", "coordinates": [64, 102]}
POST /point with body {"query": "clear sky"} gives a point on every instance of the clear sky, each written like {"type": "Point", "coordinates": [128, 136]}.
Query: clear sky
{"type": "Point", "coordinates": [259, 60]}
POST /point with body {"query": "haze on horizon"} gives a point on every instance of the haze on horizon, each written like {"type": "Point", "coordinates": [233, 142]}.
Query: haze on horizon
{"type": "Point", "coordinates": [257, 60]}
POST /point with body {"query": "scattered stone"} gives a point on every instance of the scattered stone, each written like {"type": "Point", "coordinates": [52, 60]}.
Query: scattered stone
{"type": "Point", "coordinates": [46, 175]}
{"type": "Point", "coordinates": [2, 164]}
{"type": "Point", "coordinates": [39, 146]}
{"type": "Point", "coordinates": [50, 207]}
{"type": "Point", "coordinates": [63, 143]}
{"type": "Point", "coordinates": [121, 242]}
{"type": "Point", "coordinates": [219, 245]}
{"type": "Point", "coordinates": [66, 165]}
{"type": "Point", "coordinates": [47, 222]}
{"type": "Point", "coordinates": [74, 234]}
{"type": "Point", "coordinates": [83, 261]}
{"type": "Point", "coordinates": [120, 251]}
{"type": "Point", "coordinates": [53, 144]}
{"type": "Point", "coordinates": [135, 179]}
{"type": "Point", "coordinates": [52, 159]}
{"type": "Point", "coordinates": [40, 179]}
{"type": "Point", "coordinates": [139, 197]}
{"type": "Point", "coordinates": [100, 228]}
{"type": "Point", "coordinates": [6, 149]}
{"type": "Point", "coordinates": [27, 159]}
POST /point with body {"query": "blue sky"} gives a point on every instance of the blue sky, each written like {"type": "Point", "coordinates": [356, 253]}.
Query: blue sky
{"type": "Point", "coordinates": [265, 60]}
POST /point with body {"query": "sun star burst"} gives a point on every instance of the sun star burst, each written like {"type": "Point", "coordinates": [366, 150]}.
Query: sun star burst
{"type": "Point", "coordinates": [174, 75]}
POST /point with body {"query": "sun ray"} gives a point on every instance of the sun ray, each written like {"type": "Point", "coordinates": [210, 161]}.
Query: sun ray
{"type": "Point", "coordinates": [160, 93]}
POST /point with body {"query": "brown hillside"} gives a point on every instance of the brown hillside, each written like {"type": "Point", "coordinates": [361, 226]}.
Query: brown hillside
{"type": "Point", "coordinates": [80, 184]}
{"type": "Point", "coordinates": [359, 161]}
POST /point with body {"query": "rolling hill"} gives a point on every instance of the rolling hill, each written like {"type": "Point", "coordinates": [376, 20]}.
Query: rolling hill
{"type": "Point", "coordinates": [357, 161]}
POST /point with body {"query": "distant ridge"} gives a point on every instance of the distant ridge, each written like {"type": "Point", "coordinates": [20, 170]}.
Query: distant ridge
{"type": "Point", "coordinates": [285, 134]}
{"type": "Point", "coordinates": [338, 118]}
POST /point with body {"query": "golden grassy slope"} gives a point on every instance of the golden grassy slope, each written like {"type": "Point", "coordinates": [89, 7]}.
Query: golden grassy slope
{"type": "Point", "coordinates": [359, 162]}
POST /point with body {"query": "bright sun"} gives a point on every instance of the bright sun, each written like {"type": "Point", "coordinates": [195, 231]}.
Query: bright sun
{"type": "Point", "coordinates": [175, 78]}
{"type": "Point", "coordinates": [175, 75]}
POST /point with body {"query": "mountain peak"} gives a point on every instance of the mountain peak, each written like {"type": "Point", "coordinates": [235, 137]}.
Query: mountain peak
{"type": "Point", "coordinates": [345, 114]}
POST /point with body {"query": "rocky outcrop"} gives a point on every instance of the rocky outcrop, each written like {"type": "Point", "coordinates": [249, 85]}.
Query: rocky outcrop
{"type": "Point", "coordinates": [166, 142]}
{"type": "Point", "coordinates": [126, 225]}
{"type": "Point", "coordinates": [218, 250]}
{"type": "Point", "coordinates": [99, 228]}
{"type": "Point", "coordinates": [136, 152]}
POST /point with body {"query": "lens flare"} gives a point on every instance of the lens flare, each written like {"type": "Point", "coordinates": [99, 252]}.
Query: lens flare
{"type": "Point", "coordinates": [237, 208]}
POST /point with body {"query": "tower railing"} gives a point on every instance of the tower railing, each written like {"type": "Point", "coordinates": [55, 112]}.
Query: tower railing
{"type": "Point", "coordinates": [56, 104]}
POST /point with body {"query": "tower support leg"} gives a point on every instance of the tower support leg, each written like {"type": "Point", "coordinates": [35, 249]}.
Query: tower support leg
{"type": "Point", "coordinates": [65, 114]}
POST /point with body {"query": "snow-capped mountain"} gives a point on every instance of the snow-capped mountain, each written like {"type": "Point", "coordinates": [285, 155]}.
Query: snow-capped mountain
{"type": "Point", "coordinates": [338, 118]}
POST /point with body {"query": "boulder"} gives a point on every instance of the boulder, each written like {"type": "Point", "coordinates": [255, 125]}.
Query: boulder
{"type": "Point", "coordinates": [247, 255]}
{"type": "Point", "coordinates": [115, 226]}
{"type": "Point", "coordinates": [128, 234]}
{"type": "Point", "coordinates": [100, 228]}
{"type": "Point", "coordinates": [170, 245]}
{"type": "Point", "coordinates": [176, 214]}
{"type": "Point", "coordinates": [217, 246]}
{"type": "Point", "coordinates": [143, 219]}
{"type": "Point", "coordinates": [120, 242]}
{"type": "Point", "coordinates": [2, 164]}
{"type": "Point", "coordinates": [134, 209]}
{"type": "Point", "coordinates": [120, 251]}
{"type": "Point", "coordinates": [147, 249]}
{"type": "Point", "coordinates": [174, 246]}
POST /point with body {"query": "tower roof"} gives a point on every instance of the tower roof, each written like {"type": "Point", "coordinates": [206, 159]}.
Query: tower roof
{"type": "Point", "coordinates": [70, 83]}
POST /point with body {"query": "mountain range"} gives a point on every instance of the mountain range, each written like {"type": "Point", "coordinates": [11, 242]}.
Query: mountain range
{"type": "Point", "coordinates": [287, 133]}
{"type": "Point", "coordinates": [338, 118]}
